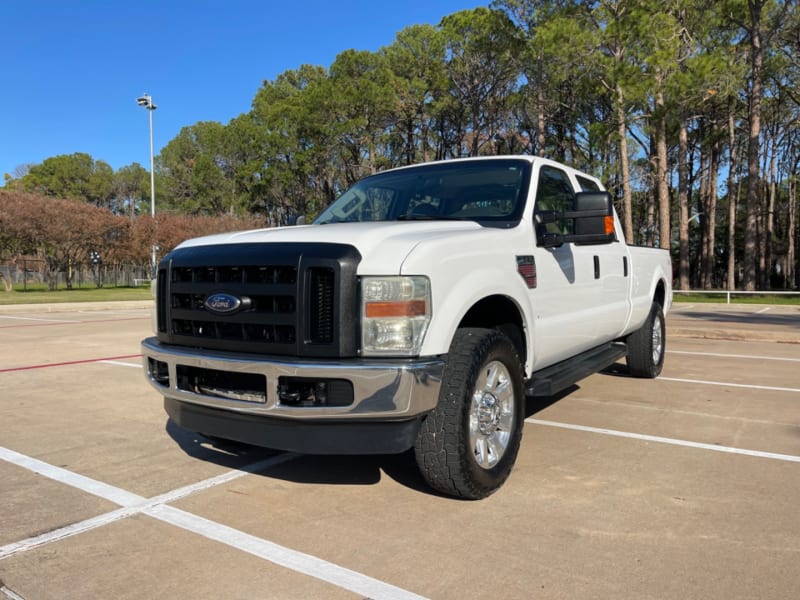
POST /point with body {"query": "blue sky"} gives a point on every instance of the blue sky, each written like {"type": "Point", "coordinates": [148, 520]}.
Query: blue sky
{"type": "Point", "coordinates": [72, 69]}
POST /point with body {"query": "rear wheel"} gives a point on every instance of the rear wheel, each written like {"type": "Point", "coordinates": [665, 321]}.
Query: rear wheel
{"type": "Point", "coordinates": [467, 446]}
{"type": "Point", "coordinates": [646, 347]}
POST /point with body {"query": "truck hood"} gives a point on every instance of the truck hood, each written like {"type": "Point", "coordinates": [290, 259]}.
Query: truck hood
{"type": "Point", "coordinates": [383, 245]}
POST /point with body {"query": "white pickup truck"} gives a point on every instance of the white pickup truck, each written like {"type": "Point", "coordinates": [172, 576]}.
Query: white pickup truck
{"type": "Point", "coordinates": [417, 311]}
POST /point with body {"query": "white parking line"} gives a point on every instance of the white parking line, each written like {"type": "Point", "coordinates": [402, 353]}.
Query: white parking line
{"type": "Point", "coordinates": [664, 440]}
{"type": "Point", "coordinates": [763, 310]}
{"type": "Point", "coordinates": [68, 531]}
{"type": "Point", "coordinates": [737, 356]}
{"type": "Point", "coordinates": [155, 507]}
{"type": "Point", "coordinates": [735, 418]}
{"type": "Point", "coordinates": [139, 506]}
{"type": "Point", "coordinates": [10, 594]}
{"type": "Point", "coordinates": [138, 311]}
{"type": "Point", "coordinates": [290, 559]}
{"type": "Point", "coordinates": [767, 388]}
{"type": "Point", "coordinates": [120, 364]}
{"type": "Point", "coordinates": [87, 484]}
{"type": "Point", "coordinates": [41, 320]}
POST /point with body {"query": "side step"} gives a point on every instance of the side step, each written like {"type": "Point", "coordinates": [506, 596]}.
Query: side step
{"type": "Point", "coordinates": [553, 379]}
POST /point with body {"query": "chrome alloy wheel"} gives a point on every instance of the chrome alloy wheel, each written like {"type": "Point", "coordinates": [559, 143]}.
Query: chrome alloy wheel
{"type": "Point", "coordinates": [491, 414]}
{"type": "Point", "coordinates": [658, 340]}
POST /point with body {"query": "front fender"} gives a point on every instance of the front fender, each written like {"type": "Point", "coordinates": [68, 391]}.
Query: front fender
{"type": "Point", "coordinates": [454, 297]}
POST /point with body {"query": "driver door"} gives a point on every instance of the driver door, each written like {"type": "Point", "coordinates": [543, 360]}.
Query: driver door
{"type": "Point", "coordinates": [566, 296]}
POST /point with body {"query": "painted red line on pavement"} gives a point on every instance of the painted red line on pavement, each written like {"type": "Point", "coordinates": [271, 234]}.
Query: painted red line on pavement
{"type": "Point", "coordinates": [72, 362]}
{"type": "Point", "coordinates": [73, 323]}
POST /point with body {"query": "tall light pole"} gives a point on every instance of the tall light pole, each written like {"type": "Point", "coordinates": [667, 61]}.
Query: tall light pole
{"type": "Point", "coordinates": [147, 101]}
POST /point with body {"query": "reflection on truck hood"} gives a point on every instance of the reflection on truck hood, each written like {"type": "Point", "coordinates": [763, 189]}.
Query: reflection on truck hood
{"type": "Point", "coordinates": [383, 245]}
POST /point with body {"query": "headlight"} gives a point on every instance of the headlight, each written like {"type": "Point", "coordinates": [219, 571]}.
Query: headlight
{"type": "Point", "coordinates": [395, 312]}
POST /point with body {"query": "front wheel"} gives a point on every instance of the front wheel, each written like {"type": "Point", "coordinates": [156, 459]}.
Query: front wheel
{"type": "Point", "coordinates": [646, 347]}
{"type": "Point", "coordinates": [467, 446]}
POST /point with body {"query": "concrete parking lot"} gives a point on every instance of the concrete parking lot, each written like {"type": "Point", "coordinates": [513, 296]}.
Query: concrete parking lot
{"type": "Point", "coordinates": [683, 487]}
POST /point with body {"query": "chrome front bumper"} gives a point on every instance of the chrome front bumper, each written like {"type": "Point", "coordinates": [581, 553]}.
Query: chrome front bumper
{"type": "Point", "coordinates": [383, 389]}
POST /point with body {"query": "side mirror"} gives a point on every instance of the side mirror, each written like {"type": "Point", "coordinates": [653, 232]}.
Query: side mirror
{"type": "Point", "coordinates": [593, 217]}
{"type": "Point", "coordinates": [592, 221]}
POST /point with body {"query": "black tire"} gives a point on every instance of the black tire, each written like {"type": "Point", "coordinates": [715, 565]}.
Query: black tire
{"type": "Point", "coordinates": [647, 346]}
{"type": "Point", "coordinates": [467, 446]}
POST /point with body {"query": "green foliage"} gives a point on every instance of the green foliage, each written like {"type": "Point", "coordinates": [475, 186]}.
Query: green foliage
{"type": "Point", "coordinates": [481, 46]}
{"type": "Point", "coordinates": [606, 85]}
{"type": "Point", "coordinates": [132, 190]}
{"type": "Point", "coordinates": [294, 115]}
{"type": "Point", "coordinates": [198, 169]}
{"type": "Point", "coordinates": [76, 176]}
{"type": "Point", "coordinates": [362, 101]}
{"type": "Point", "coordinates": [416, 60]}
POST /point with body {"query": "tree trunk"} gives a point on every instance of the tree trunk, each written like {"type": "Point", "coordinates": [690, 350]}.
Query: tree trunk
{"type": "Point", "coordinates": [68, 277]}
{"type": "Point", "coordinates": [769, 229]}
{"type": "Point", "coordinates": [409, 141]}
{"type": "Point", "coordinates": [683, 206]}
{"type": "Point", "coordinates": [711, 215]}
{"type": "Point", "coordinates": [649, 220]}
{"type": "Point", "coordinates": [7, 284]}
{"type": "Point", "coordinates": [732, 197]}
{"type": "Point", "coordinates": [702, 218]}
{"type": "Point", "coordinates": [424, 135]}
{"type": "Point", "coordinates": [540, 117]}
{"type": "Point", "coordinates": [761, 221]}
{"type": "Point", "coordinates": [791, 270]}
{"type": "Point", "coordinates": [752, 199]}
{"type": "Point", "coordinates": [661, 175]}
{"type": "Point", "coordinates": [476, 131]}
{"type": "Point", "coordinates": [625, 172]}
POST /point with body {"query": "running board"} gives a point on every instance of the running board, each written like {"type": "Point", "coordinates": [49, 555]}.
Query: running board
{"type": "Point", "coordinates": [553, 379]}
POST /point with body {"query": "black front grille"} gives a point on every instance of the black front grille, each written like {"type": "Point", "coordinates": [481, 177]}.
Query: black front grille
{"type": "Point", "coordinates": [293, 299]}
{"type": "Point", "coordinates": [268, 322]}
{"type": "Point", "coordinates": [161, 301]}
{"type": "Point", "coordinates": [321, 291]}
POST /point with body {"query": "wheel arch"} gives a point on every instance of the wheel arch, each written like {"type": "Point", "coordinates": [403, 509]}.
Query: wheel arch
{"type": "Point", "coordinates": [502, 313]}
{"type": "Point", "coordinates": [660, 293]}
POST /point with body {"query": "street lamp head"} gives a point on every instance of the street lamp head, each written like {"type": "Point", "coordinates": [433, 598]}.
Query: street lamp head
{"type": "Point", "coordinates": [146, 101]}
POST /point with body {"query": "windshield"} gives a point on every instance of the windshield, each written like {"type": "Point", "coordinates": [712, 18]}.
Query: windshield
{"type": "Point", "coordinates": [491, 192]}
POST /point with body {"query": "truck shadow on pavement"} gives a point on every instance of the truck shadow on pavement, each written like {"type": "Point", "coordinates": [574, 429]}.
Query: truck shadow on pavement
{"type": "Point", "coordinates": [224, 453]}
{"type": "Point", "coordinates": [305, 469]}
{"type": "Point", "coordinates": [339, 470]}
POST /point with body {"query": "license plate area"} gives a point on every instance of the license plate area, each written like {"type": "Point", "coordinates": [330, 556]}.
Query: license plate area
{"type": "Point", "coordinates": [241, 387]}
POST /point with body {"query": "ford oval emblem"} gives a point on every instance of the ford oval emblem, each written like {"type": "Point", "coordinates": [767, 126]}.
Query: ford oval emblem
{"type": "Point", "coordinates": [222, 303]}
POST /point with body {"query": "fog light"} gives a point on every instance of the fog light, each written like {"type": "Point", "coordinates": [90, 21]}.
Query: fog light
{"type": "Point", "coordinates": [159, 371]}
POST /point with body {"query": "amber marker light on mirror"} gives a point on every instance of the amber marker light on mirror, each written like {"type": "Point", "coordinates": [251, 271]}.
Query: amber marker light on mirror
{"type": "Point", "coordinates": [609, 224]}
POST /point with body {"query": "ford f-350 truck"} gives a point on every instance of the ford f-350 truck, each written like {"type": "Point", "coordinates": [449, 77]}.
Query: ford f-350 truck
{"type": "Point", "coordinates": [419, 310]}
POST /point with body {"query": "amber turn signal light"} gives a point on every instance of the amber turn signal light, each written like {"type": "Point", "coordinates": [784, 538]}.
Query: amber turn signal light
{"type": "Point", "coordinates": [410, 308]}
